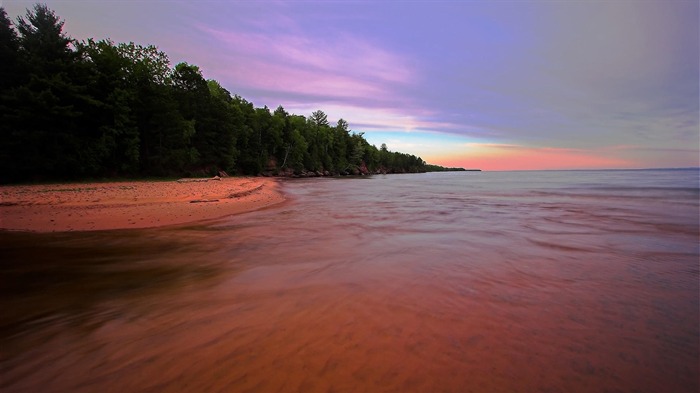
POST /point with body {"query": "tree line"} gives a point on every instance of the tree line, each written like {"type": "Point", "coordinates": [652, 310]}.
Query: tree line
{"type": "Point", "coordinates": [93, 109]}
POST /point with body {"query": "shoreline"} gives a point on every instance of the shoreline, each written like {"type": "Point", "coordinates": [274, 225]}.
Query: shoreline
{"type": "Point", "coordinates": [131, 204]}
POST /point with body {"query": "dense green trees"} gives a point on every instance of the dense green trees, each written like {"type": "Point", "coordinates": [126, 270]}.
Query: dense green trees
{"type": "Point", "coordinates": [98, 109]}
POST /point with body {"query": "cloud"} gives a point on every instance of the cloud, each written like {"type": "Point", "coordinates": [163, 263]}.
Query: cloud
{"type": "Point", "coordinates": [576, 74]}
{"type": "Point", "coordinates": [341, 68]}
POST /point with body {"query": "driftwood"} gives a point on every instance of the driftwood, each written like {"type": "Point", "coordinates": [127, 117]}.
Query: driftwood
{"type": "Point", "coordinates": [244, 193]}
{"type": "Point", "coordinates": [188, 180]}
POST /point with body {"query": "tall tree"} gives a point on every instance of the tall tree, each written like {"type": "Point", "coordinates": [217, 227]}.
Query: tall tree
{"type": "Point", "coordinates": [9, 53]}
{"type": "Point", "coordinates": [9, 79]}
{"type": "Point", "coordinates": [165, 134]}
{"type": "Point", "coordinates": [207, 106]}
{"type": "Point", "coordinates": [114, 117]}
{"type": "Point", "coordinates": [319, 118]}
{"type": "Point", "coordinates": [297, 151]}
{"type": "Point", "coordinates": [247, 139]}
{"type": "Point", "coordinates": [46, 110]}
{"type": "Point", "coordinates": [43, 41]}
{"type": "Point", "coordinates": [218, 121]}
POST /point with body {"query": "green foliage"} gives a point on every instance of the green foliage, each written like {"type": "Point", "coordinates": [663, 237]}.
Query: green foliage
{"type": "Point", "coordinates": [99, 109]}
{"type": "Point", "coordinates": [114, 116]}
{"type": "Point", "coordinates": [42, 130]}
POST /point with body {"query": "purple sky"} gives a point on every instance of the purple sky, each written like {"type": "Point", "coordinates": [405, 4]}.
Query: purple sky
{"type": "Point", "coordinates": [488, 84]}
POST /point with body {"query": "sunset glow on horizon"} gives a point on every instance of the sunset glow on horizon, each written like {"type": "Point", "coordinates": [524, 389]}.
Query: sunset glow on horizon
{"type": "Point", "coordinates": [505, 85]}
{"type": "Point", "coordinates": [501, 158]}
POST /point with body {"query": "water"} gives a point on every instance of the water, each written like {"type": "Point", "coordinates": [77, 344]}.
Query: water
{"type": "Point", "coordinates": [582, 281]}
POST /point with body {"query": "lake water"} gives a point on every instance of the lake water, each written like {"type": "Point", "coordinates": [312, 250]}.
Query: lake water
{"type": "Point", "coordinates": [578, 281]}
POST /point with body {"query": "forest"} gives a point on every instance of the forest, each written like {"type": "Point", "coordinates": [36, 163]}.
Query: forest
{"type": "Point", "coordinates": [95, 109]}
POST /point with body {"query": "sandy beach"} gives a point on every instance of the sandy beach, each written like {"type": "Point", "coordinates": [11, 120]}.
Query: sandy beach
{"type": "Point", "coordinates": [137, 204]}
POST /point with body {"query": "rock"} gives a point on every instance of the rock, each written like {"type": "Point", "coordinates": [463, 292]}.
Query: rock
{"type": "Point", "coordinates": [286, 172]}
{"type": "Point", "coordinates": [363, 168]}
{"type": "Point", "coordinates": [271, 164]}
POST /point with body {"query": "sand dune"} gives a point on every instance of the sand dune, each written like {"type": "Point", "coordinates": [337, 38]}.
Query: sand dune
{"type": "Point", "coordinates": [139, 204]}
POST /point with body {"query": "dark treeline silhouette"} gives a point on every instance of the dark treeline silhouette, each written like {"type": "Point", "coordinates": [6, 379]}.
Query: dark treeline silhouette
{"type": "Point", "coordinates": [438, 168]}
{"type": "Point", "coordinates": [95, 109]}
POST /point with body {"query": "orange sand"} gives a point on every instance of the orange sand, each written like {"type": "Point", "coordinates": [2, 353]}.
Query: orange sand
{"type": "Point", "coordinates": [119, 205]}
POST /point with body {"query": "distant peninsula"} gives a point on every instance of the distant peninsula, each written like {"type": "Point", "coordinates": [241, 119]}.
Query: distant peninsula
{"type": "Point", "coordinates": [438, 168]}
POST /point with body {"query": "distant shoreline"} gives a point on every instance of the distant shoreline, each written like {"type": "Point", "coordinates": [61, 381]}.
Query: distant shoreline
{"type": "Point", "coordinates": [598, 169]}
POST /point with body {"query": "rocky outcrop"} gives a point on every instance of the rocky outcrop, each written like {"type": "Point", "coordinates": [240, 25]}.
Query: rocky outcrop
{"type": "Point", "coordinates": [360, 170]}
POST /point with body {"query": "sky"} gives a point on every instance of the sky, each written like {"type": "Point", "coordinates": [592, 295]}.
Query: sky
{"type": "Point", "coordinates": [495, 85]}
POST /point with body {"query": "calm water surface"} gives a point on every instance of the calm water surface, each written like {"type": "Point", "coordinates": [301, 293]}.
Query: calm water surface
{"type": "Point", "coordinates": [580, 281]}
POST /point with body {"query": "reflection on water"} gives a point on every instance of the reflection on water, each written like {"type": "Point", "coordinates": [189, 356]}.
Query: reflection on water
{"type": "Point", "coordinates": [55, 282]}
{"type": "Point", "coordinates": [498, 282]}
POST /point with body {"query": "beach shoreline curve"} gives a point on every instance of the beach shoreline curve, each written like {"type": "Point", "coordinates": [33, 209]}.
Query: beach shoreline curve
{"type": "Point", "coordinates": [131, 204]}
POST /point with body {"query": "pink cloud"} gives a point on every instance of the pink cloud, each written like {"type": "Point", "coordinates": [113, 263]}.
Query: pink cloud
{"type": "Point", "coordinates": [343, 67]}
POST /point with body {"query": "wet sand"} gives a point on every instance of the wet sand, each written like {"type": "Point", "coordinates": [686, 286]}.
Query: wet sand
{"type": "Point", "coordinates": [137, 204]}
